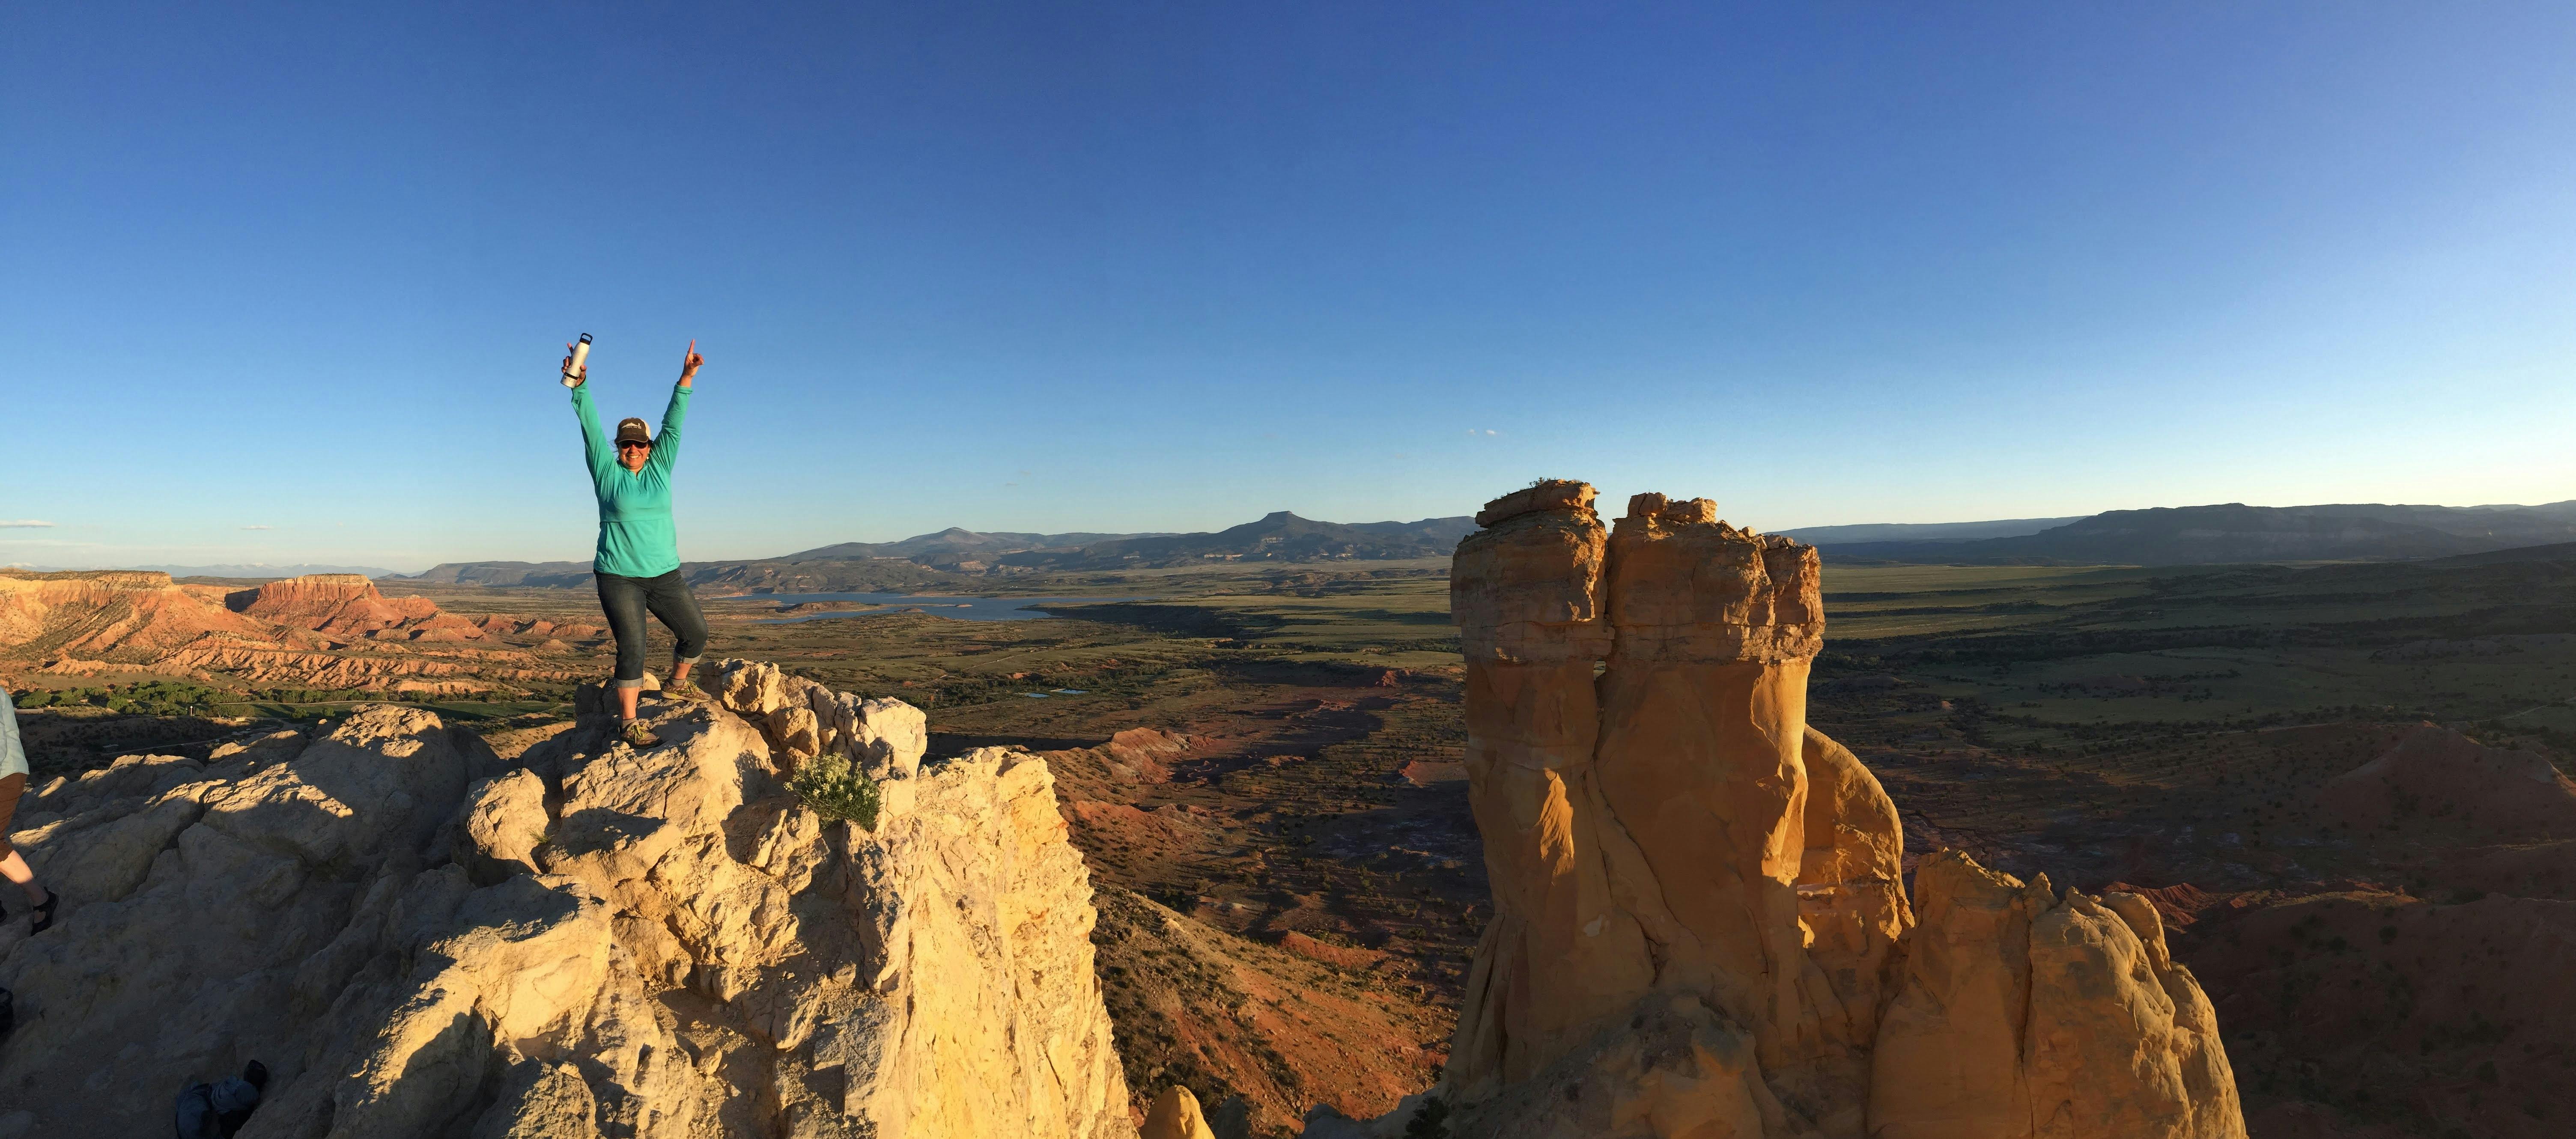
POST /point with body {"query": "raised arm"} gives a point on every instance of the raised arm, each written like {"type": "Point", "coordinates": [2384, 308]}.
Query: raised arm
{"type": "Point", "coordinates": [595, 452]}
{"type": "Point", "coordinates": [666, 446]}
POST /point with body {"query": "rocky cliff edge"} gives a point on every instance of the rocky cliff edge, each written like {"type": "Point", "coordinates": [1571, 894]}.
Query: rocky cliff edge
{"type": "Point", "coordinates": [419, 939]}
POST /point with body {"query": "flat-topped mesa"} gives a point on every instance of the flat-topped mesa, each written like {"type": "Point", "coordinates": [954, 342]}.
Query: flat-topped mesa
{"type": "Point", "coordinates": [340, 603]}
{"type": "Point", "coordinates": [87, 614]}
{"type": "Point", "coordinates": [102, 579]}
{"type": "Point", "coordinates": [1700, 924]}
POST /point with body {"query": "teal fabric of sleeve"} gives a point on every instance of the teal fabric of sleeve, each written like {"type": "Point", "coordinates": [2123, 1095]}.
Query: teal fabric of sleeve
{"type": "Point", "coordinates": [666, 446]}
{"type": "Point", "coordinates": [636, 538]}
{"type": "Point", "coordinates": [595, 452]}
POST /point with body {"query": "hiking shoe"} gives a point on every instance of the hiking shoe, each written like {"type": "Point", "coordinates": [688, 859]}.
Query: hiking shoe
{"type": "Point", "coordinates": [686, 690]}
{"type": "Point", "coordinates": [637, 734]}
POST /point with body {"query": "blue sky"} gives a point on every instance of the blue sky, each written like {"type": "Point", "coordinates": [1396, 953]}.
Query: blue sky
{"type": "Point", "coordinates": [289, 284]}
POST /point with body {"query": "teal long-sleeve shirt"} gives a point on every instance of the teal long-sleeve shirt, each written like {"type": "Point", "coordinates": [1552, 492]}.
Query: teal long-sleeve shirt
{"type": "Point", "coordinates": [635, 534]}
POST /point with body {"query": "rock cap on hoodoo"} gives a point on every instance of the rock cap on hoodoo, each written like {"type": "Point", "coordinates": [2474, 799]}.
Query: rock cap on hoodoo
{"type": "Point", "coordinates": [1685, 586]}
{"type": "Point", "coordinates": [1545, 494]}
{"type": "Point", "coordinates": [1543, 579]}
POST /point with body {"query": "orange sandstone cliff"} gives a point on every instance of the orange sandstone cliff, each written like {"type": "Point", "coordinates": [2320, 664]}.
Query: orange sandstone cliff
{"type": "Point", "coordinates": [343, 604]}
{"type": "Point", "coordinates": [1700, 924]}
{"type": "Point", "coordinates": [326, 630]}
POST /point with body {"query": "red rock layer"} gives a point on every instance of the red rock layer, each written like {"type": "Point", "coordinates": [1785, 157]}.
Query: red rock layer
{"type": "Point", "coordinates": [345, 604]}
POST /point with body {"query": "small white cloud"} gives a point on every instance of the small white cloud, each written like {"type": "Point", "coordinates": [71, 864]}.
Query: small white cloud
{"type": "Point", "coordinates": [259, 527]}
{"type": "Point", "coordinates": [1491, 431]}
{"type": "Point", "coordinates": [24, 524]}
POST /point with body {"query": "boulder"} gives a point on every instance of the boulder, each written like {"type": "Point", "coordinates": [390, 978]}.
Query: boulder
{"type": "Point", "coordinates": [2120, 1039]}
{"type": "Point", "coordinates": [888, 738]}
{"type": "Point", "coordinates": [505, 823]}
{"type": "Point", "coordinates": [1175, 1115]}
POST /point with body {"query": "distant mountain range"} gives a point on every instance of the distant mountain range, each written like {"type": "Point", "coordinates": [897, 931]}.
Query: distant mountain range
{"type": "Point", "coordinates": [2234, 532]}
{"type": "Point", "coordinates": [1926, 531]}
{"type": "Point", "coordinates": [955, 558]}
{"type": "Point", "coordinates": [962, 550]}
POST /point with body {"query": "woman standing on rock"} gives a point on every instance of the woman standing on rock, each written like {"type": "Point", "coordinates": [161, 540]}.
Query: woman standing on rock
{"type": "Point", "coordinates": [13, 783]}
{"type": "Point", "coordinates": [638, 562]}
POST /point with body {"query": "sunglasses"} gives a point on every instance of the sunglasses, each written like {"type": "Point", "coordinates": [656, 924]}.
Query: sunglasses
{"type": "Point", "coordinates": [623, 444]}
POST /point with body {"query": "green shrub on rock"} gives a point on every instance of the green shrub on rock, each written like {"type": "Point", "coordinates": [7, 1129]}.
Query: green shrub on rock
{"type": "Point", "coordinates": [837, 790]}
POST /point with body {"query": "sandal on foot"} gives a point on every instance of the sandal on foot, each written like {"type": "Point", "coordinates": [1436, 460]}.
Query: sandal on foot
{"type": "Point", "coordinates": [637, 734]}
{"type": "Point", "coordinates": [45, 913]}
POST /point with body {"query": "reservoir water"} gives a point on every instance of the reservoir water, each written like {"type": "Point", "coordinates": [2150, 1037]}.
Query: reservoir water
{"type": "Point", "coordinates": [962, 608]}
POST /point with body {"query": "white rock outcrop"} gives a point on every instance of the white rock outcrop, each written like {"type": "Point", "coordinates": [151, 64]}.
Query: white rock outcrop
{"type": "Point", "coordinates": [420, 940]}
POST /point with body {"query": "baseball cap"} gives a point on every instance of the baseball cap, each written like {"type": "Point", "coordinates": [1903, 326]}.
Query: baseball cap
{"type": "Point", "coordinates": [631, 430]}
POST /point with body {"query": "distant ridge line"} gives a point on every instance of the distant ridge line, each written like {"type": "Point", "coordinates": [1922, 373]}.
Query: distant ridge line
{"type": "Point", "coordinates": [2234, 532]}
{"type": "Point", "coordinates": [2174, 535]}
{"type": "Point", "coordinates": [957, 556]}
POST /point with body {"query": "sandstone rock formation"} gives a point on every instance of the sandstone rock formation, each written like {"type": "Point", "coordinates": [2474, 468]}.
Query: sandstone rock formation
{"type": "Point", "coordinates": [419, 939]}
{"type": "Point", "coordinates": [86, 614]}
{"type": "Point", "coordinates": [316, 631]}
{"type": "Point", "coordinates": [1700, 927]}
{"type": "Point", "coordinates": [343, 604]}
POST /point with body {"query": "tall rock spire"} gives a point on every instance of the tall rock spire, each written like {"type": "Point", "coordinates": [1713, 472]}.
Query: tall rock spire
{"type": "Point", "coordinates": [1700, 926]}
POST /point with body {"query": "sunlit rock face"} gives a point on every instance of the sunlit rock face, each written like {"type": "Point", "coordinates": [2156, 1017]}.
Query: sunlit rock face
{"type": "Point", "coordinates": [419, 939]}
{"type": "Point", "coordinates": [1700, 924]}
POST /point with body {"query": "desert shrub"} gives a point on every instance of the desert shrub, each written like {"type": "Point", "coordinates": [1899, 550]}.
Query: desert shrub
{"type": "Point", "coordinates": [837, 790]}
{"type": "Point", "coordinates": [1430, 1121]}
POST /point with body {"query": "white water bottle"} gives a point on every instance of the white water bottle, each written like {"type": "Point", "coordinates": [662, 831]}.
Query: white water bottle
{"type": "Point", "coordinates": [580, 353]}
